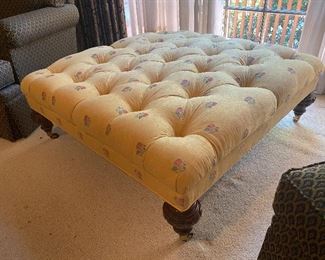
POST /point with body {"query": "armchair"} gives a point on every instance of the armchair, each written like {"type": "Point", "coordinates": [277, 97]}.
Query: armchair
{"type": "Point", "coordinates": [33, 34]}
{"type": "Point", "coordinates": [15, 120]}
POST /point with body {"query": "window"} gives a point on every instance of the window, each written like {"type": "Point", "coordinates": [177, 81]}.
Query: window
{"type": "Point", "coordinates": [273, 21]}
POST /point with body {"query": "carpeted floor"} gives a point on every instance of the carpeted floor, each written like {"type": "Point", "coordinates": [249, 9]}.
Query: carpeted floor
{"type": "Point", "coordinates": [59, 200]}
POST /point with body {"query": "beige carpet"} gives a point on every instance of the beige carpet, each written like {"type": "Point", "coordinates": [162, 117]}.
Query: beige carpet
{"type": "Point", "coordinates": [59, 200]}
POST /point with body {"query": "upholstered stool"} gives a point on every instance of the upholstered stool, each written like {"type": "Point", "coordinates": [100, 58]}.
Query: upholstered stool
{"type": "Point", "coordinates": [173, 110]}
{"type": "Point", "coordinates": [298, 226]}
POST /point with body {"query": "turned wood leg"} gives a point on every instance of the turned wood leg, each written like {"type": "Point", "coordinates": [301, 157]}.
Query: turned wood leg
{"type": "Point", "coordinates": [183, 222]}
{"type": "Point", "coordinates": [301, 107]}
{"type": "Point", "coordinates": [46, 125]}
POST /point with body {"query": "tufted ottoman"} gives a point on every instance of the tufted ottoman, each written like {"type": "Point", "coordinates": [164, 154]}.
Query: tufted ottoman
{"type": "Point", "coordinates": [173, 110]}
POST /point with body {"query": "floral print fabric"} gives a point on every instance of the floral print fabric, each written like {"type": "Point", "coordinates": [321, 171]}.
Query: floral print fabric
{"type": "Point", "coordinates": [169, 108]}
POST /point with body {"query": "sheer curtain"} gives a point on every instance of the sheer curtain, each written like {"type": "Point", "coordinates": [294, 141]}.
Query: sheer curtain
{"type": "Point", "coordinates": [205, 16]}
{"type": "Point", "coordinates": [313, 36]}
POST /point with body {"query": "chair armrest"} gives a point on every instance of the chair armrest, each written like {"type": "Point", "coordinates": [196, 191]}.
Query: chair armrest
{"type": "Point", "coordinates": [22, 29]}
{"type": "Point", "coordinates": [6, 74]}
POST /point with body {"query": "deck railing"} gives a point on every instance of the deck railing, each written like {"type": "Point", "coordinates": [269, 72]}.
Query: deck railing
{"type": "Point", "coordinates": [273, 21]}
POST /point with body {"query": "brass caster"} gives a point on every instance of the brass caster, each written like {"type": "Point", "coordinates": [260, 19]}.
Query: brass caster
{"type": "Point", "coordinates": [296, 118]}
{"type": "Point", "coordinates": [186, 237]}
{"type": "Point", "coordinates": [53, 135]}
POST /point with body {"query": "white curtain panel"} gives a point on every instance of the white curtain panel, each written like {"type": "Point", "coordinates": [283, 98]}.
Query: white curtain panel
{"type": "Point", "coordinates": [313, 36]}
{"type": "Point", "coordinates": [205, 16]}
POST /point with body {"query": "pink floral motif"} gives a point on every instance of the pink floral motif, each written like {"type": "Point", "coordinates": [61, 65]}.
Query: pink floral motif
{"type": "Point", "coordinates": [179, 165]}
{"type": "Point", "coordinates": [53, 100]}
{"type": "Point", "coordinates": [259, 75]}
{"type": "Point", "coordinates": [180, 113]}
{"type": "Point", "coordinates": [120, 110]}
{"type": "Point", "coordinates": [126, 89]}
{"type": "Point", "coordinates": [78, 74]}
{"type": "Point", "coordinates": [206, 80]}
{"type": "Point", "coordinates": [141, 115]}
{"type": "Point", "coordinates": [108, 129]}
{"type": "Point", "coordinates": [291, 70]}
{"type": "Point", "coordinates": [87, 120]}
{"type": "Point", "coordinates": [140, 149]}
{"type": "Point", "coordinates": [211, 128]}
{"type": "Point", "coordinates": [43, 96]}
{"type": "Point", "coordinates": [250, 100]}
{"type": "Point", "coordinates": [185, 83]}
{"type": "Point", "coordinates": [78, 88]}
{"type": "Point", "coordinates": [210, 104]}
{"type": "Point", "coordinates": [250, 60]}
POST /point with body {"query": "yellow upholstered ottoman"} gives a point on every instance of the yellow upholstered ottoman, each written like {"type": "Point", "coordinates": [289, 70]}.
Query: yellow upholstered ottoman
{"type": "Point", "coordinates": [173, 110]}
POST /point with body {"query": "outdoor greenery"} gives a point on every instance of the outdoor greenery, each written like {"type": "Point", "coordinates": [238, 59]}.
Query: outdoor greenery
{"type": "Point", "coordinates": [267, 21]}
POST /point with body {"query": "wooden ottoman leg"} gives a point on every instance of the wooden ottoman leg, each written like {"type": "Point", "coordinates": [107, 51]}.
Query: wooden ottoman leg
{"type": "Point", "coordinates": [301, 107]}
{"type": "Point", "coordinates": [46, 125]}
{"type": "Point", "coordinates": [183, 222]}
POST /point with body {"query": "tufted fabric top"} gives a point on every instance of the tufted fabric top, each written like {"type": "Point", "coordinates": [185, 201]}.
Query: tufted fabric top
{"type": "Point", "coordinates": [168, 107]}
